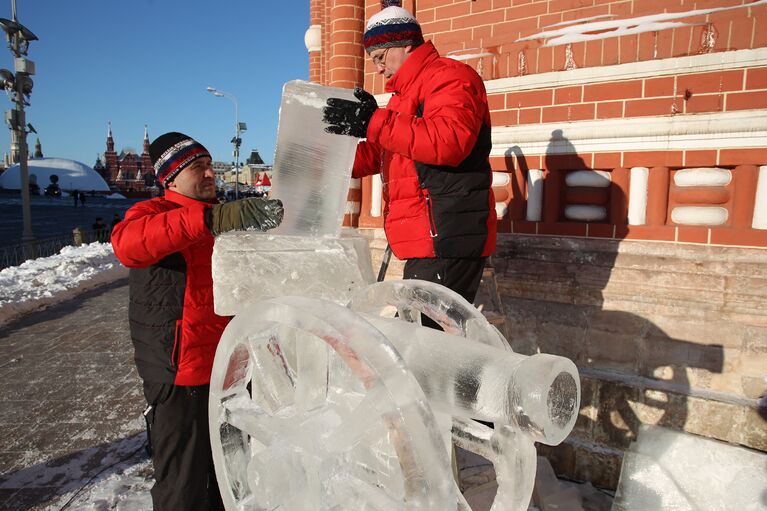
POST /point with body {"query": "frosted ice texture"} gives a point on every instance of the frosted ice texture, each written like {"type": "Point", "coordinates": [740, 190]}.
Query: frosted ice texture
{"type": "Point", "coordinates": [249, 266]}
{"type": "Point", "coordinates": [665, 469]}
{"type": "Point", "coordinates": [315, 410]}
{"type": "Point", "coordinates": [538, 394]}
{"type": "Point", "coordinates": [312, 169]}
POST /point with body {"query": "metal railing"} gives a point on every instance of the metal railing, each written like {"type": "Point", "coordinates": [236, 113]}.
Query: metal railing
{"type": "Point", "coordinates": [14, 255]}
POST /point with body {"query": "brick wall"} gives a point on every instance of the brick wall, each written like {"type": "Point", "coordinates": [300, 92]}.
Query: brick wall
{"type": "Point", "coordinates": [510, 28]}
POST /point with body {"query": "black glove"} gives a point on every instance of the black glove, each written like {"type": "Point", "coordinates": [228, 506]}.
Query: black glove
{"type": "Point", "coordinates": [263, 214]}
{"type": "Point", "coordinates": [347, 117]}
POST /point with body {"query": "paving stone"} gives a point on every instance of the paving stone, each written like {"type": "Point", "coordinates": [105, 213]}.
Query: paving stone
{"type": "Point", "coordinates": [68, 387]}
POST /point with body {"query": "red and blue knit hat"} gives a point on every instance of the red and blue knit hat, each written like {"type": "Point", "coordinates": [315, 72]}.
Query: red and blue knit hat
{"type": "Point", "coordinates": [393, 26]}
{"type": "Point", "coordinates": [173, 152]}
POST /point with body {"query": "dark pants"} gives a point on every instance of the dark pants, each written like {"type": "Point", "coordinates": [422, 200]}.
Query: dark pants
{"type": "Point", "coordinates": [181, 455]}
{"type": "Point", "coordinates": [459, 275]}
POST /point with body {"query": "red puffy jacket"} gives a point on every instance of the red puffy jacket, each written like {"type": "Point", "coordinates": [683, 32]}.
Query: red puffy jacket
{"type": "Point", "coordinates": [168, 247]}
{"type": "Point", "coordinates": [431, 145]}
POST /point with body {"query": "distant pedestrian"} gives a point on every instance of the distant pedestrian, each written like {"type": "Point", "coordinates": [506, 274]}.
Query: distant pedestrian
{"type": "Point", "coordinates": [82, 198]}
{"type": "Point", "coordinates": [75, 195]}
{"type": "Point", "coordinates": [115, 220]}
{"type": "Point", "coordinates": [99, 230]}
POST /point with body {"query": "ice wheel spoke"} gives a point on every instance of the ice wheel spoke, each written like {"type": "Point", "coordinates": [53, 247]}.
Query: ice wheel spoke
{"type": "Point", "coordinates": [273, 377]}
{"type": "Point", "coordinates": [473, 436]}
{"type": "Point", "coordinates": [409, 314]}
{"type": "Point", "coordinates": [357, 423]}
{"type": "Point", "coordinates": [241, 413]}
{"type": "Point", "coordinates": [312, 374]}
{"type": "Point", "coordinates": [375, 496]}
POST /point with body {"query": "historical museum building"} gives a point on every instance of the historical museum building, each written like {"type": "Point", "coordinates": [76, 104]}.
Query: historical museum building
{"type": "Point", "coordinates": [127, 172]}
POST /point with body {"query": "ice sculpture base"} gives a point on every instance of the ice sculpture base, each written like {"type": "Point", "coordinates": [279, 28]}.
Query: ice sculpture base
{"type": "Point", "coordinates": [250, 266]}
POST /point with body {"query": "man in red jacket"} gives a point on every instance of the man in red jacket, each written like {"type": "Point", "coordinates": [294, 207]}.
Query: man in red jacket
{"type": "Point", "coordinates": [167, 242]}
{"type": "Point", "coordinates": [431, 145]}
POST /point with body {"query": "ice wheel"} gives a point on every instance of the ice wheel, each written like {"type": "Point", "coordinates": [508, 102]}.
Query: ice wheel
{"type": "Point", "coordinates": [311, 407]}
{"type": "Point", "coordinates": [510, 450]}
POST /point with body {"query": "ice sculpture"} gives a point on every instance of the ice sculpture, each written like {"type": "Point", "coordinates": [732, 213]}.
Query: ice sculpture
{"type": "Point", "coordinates": [328, 394]}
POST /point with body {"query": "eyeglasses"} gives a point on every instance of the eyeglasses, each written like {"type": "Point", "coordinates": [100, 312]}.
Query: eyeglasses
{"type": "Point", "coordinates": [378, 60]}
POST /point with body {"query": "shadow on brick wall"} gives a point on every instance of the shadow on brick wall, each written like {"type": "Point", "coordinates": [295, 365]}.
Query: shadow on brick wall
{"type": "Point", "coordinates": [632, 372]}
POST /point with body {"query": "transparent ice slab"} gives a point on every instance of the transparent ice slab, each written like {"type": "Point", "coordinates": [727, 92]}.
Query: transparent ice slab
{"type": "Point", "coordinates": [250, 266]}
{"type": "Point", "coordinates": [667, 469]}
{"type": "Point", "coordinates": [312, 169]}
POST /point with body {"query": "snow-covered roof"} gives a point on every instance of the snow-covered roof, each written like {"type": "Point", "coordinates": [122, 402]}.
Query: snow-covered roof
{"type": "Point", "coordinates": [72, 175]}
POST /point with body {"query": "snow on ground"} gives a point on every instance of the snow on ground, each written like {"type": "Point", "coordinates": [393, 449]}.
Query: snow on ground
{"type": "Point", "coordinates": [123, 484]}
{"type": "Point", "coordinates": [46, 281]}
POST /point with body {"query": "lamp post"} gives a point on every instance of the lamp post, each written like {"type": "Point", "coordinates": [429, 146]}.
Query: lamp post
{"type": "Point", "coordinates": [20, 87]}
{"type": "Point", "coordinates": [239, 127]}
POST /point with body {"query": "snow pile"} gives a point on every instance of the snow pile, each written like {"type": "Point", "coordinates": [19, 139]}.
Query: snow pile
{"type": "Point", "coordinates": [45, 281]}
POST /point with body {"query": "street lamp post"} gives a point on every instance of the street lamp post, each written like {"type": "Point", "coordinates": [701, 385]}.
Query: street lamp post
{"type": "Point", "coordinates": [20, 87]}
{"type": "Point", "coordinates": [239, 127]}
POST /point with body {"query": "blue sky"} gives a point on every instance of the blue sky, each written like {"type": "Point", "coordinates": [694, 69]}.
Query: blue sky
{"type": "Point", "coordinates": [149, 62]}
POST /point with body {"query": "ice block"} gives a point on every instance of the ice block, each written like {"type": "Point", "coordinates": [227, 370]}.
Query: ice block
{"type": "Point", "coordinates": [312, 169]}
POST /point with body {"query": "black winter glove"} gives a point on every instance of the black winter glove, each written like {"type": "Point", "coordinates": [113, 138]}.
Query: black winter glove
{"type": "Point", "coordinates": [347, 117]}
{"type": "Point", "coordinates": [263, 214]}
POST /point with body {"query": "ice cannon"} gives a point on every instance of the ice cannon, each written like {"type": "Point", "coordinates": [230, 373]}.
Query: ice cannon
{"type": "Point", "coordinates": [327, 392]}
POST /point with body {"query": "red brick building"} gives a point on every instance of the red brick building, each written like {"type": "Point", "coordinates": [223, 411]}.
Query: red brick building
{"type": "Point", "coordinates": [630, 162]}
{"type": "Point", "coordinates": [127, 172]}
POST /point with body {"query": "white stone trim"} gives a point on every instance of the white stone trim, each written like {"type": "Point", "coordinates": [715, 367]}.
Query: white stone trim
{"type": "Point", "coordinates": [638, 189]}
{"type": "Point", "coordinates": [313, 38]}
{"type": "Point", "coordinates": [760, 202]}
{"type": "Point", "coordinates": [352, 208]}
{"type": "Point", "coordinates": [721, 61]}
{"type": "Point", "coordinates": [376, 196]}
{"type": "Point", "coordinates": [501, 179]}
{"type": "Point", "coordinates": [534, 195]}
{"type": "Point", "coordinates": [703, 176]}
{"type": "Point", "coordinates": [588, 178]}
{"type": "Point", "coordinates": [585, 212]}
{"type": "Point", "coordinates": [725, 130]}
{"type": "Point", "coordinates": [699, 215]}
{"type": "Point", "coordinates": [500, 210]}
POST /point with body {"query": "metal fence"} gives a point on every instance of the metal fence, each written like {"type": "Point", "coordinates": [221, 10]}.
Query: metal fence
{"type": "Point", "coordinates": [14, 255]}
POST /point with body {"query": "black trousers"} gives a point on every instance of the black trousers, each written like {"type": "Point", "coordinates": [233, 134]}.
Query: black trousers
{"type": "Point", "coordinates": [460, 275]}
{"type": "Point", "coordinates": [183, 463]}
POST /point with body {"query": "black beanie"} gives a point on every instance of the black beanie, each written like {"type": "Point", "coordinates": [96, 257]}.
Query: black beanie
{"type": "Point", "coordinates": [173, 152]}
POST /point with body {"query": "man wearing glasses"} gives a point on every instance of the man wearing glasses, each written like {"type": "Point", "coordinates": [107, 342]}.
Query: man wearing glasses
{"type": "Point", "coordinates": [431, 145]}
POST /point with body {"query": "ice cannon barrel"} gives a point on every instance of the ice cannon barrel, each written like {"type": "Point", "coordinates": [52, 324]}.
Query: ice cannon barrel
{"type": "Point", "coordinates": [539, 394]}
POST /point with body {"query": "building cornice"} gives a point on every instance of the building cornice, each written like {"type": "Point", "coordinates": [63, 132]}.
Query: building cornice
{"type": "Point", "coordinates": [721, 61]}
{"type": "Point", "coordinates": [727, 130]}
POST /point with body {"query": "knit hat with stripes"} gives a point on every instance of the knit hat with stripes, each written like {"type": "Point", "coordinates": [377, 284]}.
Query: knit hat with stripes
{"type": "Point", "coordinates": [173, 152]}
{"type": "Point", "coordinates": [393, 26]}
